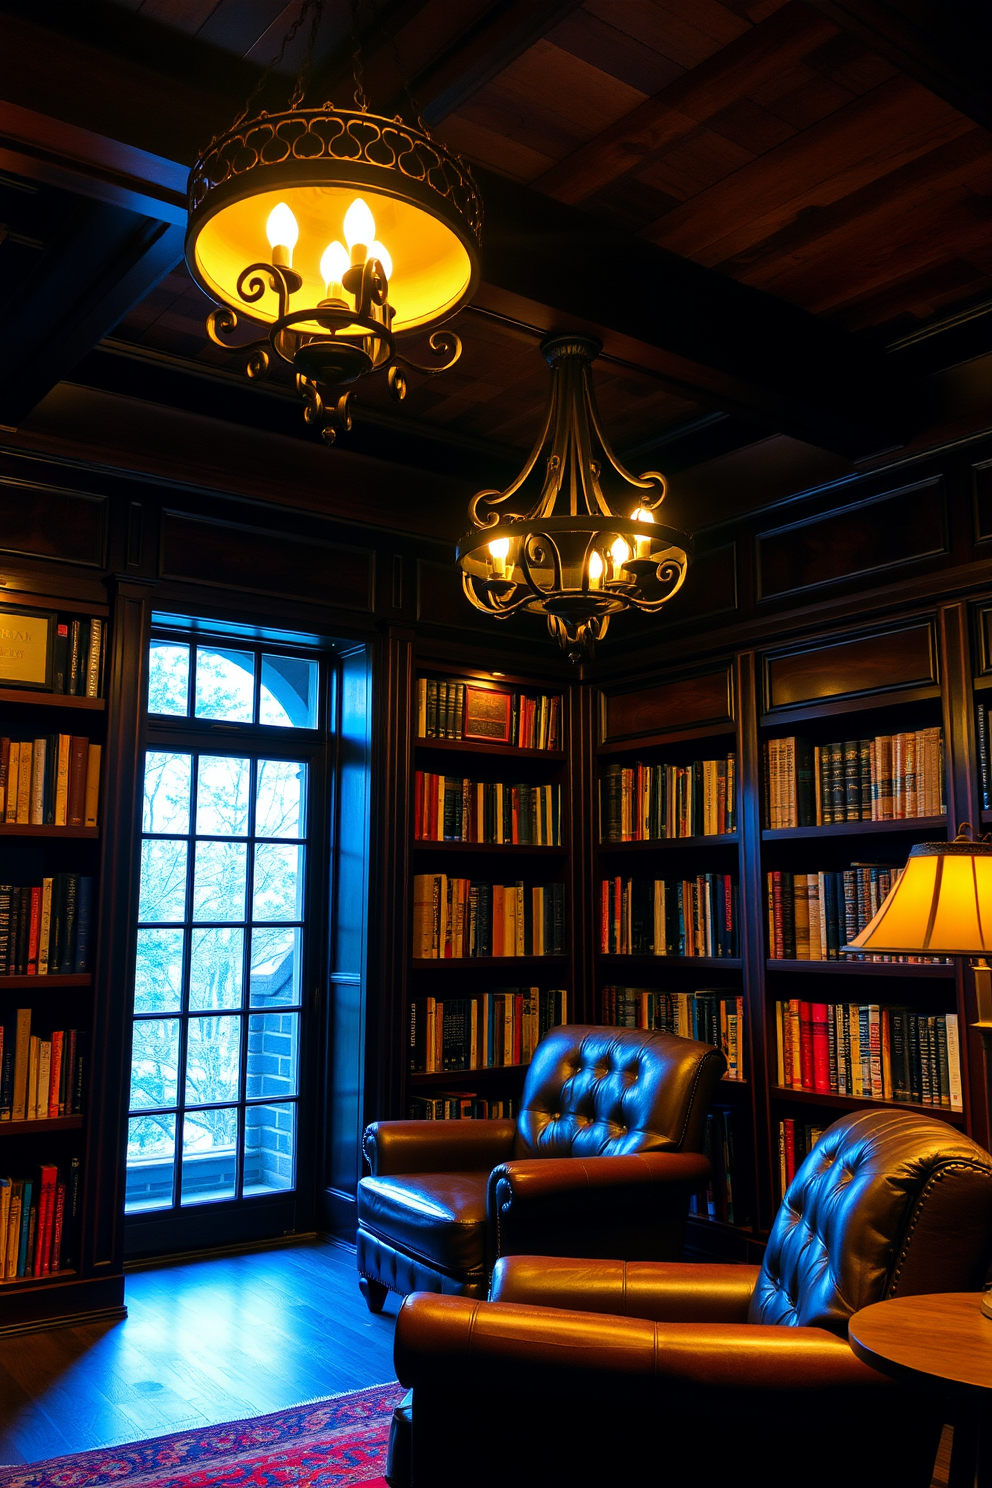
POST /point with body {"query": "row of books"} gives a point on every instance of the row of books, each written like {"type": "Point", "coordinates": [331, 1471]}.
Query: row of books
{"type": "Point", "coordinates": [984, 770]}
{"type": "Point", "coordinates": [456, 917]}
{"type": "Point", "coordinates": [717, 1202]}
{"type": "Point", "coordinates": [38, 1221]}
{"type": "Point", "coordinates": [450, 809]}
{"type": "Point", "coordinates": [868, 1051]}
{"type": "Point", "coordinates": [813, 916]}
{"type": "Point", "coordinates": [887, 778]}
{"type": "Point", "coordinates": [796, 1139]}
{"type": "Point", "coordinates": [459, 1106]}
{"type": "Point", "coordinates": [77, 658]}
{"type": "Point", "coordinates": [713, 1017]}
{"type": "Point", "coordinates": [40, 1078]}
{"type": "Point", "coordinates": [669, 917]}
{"type": "Point", "coordinates": [53, 781]}
{"type": "Point", "coordinates": [491, 1031]}
{"type": "Point", "coordinates": [46, 928]}
{"type": "Point", "coordinates": [457, 710]}
{"type": "Point", "coordinates": [643, 803]}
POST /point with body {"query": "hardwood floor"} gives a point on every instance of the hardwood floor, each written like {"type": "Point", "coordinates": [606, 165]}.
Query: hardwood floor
{"type": "Point", "coordinates": [207, 1340]}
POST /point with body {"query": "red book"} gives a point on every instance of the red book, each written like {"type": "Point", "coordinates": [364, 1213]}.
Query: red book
{"type": "Point", "coordinates": [821, 1048]}
{"type": "Point", "coordinates": [76, 794]}
{"type": "Point", "coordinates": [790, 1149]}
{"type": "Point", "coordinates": [46, 1215]}
{"type": "Point", "coordinates": [57, 1227]}
{"type": "Point", "coordinates": [604, 917]}
{"type": "Point", "coordinates": [418, 803]}
{"type": "Point", "coordinates": [806, 1046]}
{"type": "Point", "coordinates": [34, 931]}
{"type": "Point", "coordinates": [431, 807]}
{"type": "Point", "coordinates": [778, 949]}
{"type": "Point", "coordinates": [55, 1080]}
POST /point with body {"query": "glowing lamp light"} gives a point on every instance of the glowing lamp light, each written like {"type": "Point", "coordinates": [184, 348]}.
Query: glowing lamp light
{"type": "Point", "coordinates": [642, 545]}
{"type": "Point", "coordinates": [499, 548]}
{"type": "Point", "coordinates": [620, 553]}
{"type": "Point", "coordinates": [359, 230]}
{"type": "Point", "coordinates": [595, 570]}
{"type": "Point", "coordinates": [334, 264]}
{"type": "Point", "coordinates": [379, 251]}
{"type": "Point", "coordinates": [282, 231]}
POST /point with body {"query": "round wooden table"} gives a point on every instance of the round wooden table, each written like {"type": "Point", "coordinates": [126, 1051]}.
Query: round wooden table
{"type": "Point", "coordinates": [945, 1340]}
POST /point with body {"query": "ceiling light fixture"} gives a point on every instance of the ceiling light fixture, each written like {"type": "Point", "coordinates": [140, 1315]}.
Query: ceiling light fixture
{"type": "Point", "coordinates": [406, 208]}
{"type": "Point", "coordinates": [571, 556]}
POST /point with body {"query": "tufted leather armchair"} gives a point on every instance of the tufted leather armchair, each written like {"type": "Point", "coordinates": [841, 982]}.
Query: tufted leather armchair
{"type": "Point", "coordinates": [601, 1160]}
{"type": "Point", "coordinates": [601, 1372]}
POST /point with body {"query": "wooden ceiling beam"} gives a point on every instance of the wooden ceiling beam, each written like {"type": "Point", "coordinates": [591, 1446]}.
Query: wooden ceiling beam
{"type": "Point", "coordinates": [945, 47]}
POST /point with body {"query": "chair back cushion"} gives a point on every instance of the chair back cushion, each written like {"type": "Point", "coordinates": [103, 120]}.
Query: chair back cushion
{"type": "Point", "coordinates": [887, 1204]}
{"type": "Point", "coordinates": [607, 1092]}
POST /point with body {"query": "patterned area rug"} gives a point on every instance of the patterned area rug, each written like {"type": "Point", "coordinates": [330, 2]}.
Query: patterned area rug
{"type": "Point", "coordinates": [336, 1443]}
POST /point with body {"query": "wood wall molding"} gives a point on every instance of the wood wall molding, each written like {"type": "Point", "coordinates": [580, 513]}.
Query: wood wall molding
{"type": "Point", "coordinates": [878, 661]}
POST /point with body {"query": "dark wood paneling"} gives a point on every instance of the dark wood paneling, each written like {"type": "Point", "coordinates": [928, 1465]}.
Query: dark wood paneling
{"type": "Point", "coordinates": [881, 662]}
{"type": "Point", "coordinates": [982, 479]}
{"type": "Point", "coordinates": [894, 528]}
{"type": "Point", "coordinates": [260, 561]}
{"type": "Point", "coordinates": [50, 522]}
{"type": "Point", "coordinates": [688, 702]}
{"type": "Point", "coordinates": [983, 660]}
{"type": "Point", "coordinates": [710, 587]}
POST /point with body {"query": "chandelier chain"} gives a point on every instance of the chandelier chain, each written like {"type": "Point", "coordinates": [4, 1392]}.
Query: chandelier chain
{"type": "Point", "coordinates": [357, 65]}
{"type": "Point", "coordinates": [316, 8]}
{"type": "Point", "coordinates": [313, 8]}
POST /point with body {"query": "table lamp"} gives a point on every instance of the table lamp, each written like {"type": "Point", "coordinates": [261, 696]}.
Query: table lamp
{"type": "Point", "coordinates": [942, 906]}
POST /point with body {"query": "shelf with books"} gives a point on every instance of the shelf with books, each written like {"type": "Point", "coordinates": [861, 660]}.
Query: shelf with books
{"type": "Point", "coordinates": [16, 829]}
{"type": "Point", "coordinates": [488, 1073]}
{"type": "Point", "coordinates": [716, 841]}
{"type": "Point", "coordinates": [43, 1124]}
{"type": "Point", "coordinates": [34, 1281]}
{"type": "Point", "coordinates": [483, 963]}
{"type": "Point", "coordinates": [918, 824]}
{"type": "Point", "coordinates": [832, 1102]}
{"type": "Point", "coordinates": [50, 700]}
{"type": "Point", "coordinates": [499, 751]}
{"type": "Point", "coordinates": [44, 982]}
{"type": "Point", "coordinates": [864, 968]}
{"type": "Point", "coordinates": [704, 963]}
{"type": "Point", "coordinates": [470, 709]}
{"type": "Point", "coordinates": [489, 849]}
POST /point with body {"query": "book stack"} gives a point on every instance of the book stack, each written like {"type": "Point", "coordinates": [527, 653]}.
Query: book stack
{"type": "Point", "coordinates": [868, 1051]}
{"type": "Point", "coordinates": [718, 1200]}
{"type": "Point", "coordinates": [46, 928]}
{"type": "Point", "coordinates": [644, 803]}
{"type": "Point", "coordinates": [53, 781]}
{"type": "Point", "coordinates": [712, 1017]}
{"type": "Point", "coordinates": [887, 778]}
{"type": "Point", "coordinates": [459, 1106]}
{"type": "Point", "coordinates": [535, 718]}
{"type": "Point", "coordinates": [669, 917]}
{"type": "Point", "coordinates": [450, 809]}
{"type": "Point", "coordinates": [40, 1078]}
{"type": "Point", "coordinates": [456, 917]}
{"type": "Point", "coordinates": [37, 1221]}
{"type": "Point", "coordinates": [78, 657]}
{"type": "Point", "coordinates": [812, 916]}
{"type": "Point", "coordinates": [492, 1031]}
{"type": "Point", "coordinates": [984, 771]}
{"type": "Point", "coordinates": [796, 1139]}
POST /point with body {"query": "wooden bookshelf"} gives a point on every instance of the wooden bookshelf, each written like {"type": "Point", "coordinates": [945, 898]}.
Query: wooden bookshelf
{"type": "Point", "coordinates": [861, 968]}
{"type": "Point", "coordinates": [34, 699]}
{"type": "Point", "coordinates": [47, 1124]}
{"type": "Point", "coordinates": [500, 751]}
{"type": "Point", "coordinates": [489, 849]}
{"type": "Point", "coordinates": [464, 963]}
{"type": "Point", "coordinates": [864, 1103]}
{"type": "Point", "coordinates": [55, 981]}
{"type": "Point", "coordinates": [10, 829]}
{"type": "Point", "coordinates": [672, 844]}
{"type": "Point", "coordinates": [920, 825]}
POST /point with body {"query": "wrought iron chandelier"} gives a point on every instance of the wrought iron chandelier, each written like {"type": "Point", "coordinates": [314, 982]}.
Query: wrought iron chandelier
{"type": "Point", "coordinates": [407, 209]}
{"type": "Point", "coordinates": [572, 556]}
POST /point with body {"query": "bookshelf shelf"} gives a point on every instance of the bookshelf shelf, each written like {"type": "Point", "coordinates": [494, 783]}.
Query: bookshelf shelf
{"type": "Point", "coordinates": [50, 1124]}
{"type": "Point", "coordinates": [50, 699]}
{"type": "Point", "coordinates": [668, 844]}
{"type": "Point", "coordinates": [705, 963]}
{"type": "Point", "coordinates": [35, 1281]}
{"type": "Point", "coordinates": [723, 734]}
{"type": "Point", "coordinates": [480, 746]}
{"type": "Point", "coordinates": [873, 701]}
{"type": "Point", "coordinates": [863, 1103]}
{"type": "Point", "coordinates": [509, 849]}
{"type": "Point", "coordinates": [857, 828]}
{"type": "Point", "coordinates": [862, 968]}
{"type": "Point", "coordinates": [467, 1077]}
{"type": "Point", "coordinates": [433, 963]}
{"type": "Point", "coordinates": [28, 983]}
{"type": "Point", "coordinates": [10, 829]}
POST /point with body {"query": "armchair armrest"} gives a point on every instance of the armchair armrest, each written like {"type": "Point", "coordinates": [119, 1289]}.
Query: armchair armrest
{"type": "Point", "coordinates": [661, 1291]}
{"type": "Point", "coordinates": [465, 1344]}
{"type": "Point", "coordinates": [631, 1207]}
{"type": "Point", "coordinates": [395, 1147]}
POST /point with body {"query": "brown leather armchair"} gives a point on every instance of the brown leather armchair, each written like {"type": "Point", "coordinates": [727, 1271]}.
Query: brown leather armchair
{"type": "Point", "coordinates": [601, 1160]}
{"type": "Point", "coordinates": [602, 1372]}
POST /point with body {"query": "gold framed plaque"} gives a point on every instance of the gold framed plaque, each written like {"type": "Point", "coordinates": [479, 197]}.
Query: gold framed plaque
{"type": "Point", "coordinates": [487, 715]}
{"type": "Point", "coordinates": [27, 640]}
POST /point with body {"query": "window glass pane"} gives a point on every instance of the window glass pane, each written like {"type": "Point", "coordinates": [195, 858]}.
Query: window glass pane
{"type": "Point", "coordinates": [215, 969]}
{"type": "Point", "coordinates": [223, 788]}
{"type": "Point", "coordinates": [213, 1059]}
{"type": "Point", "coordinates": [154, 1063]}
{"type": "Point", "coordinates": [225, 684]}
{"type": "Point", "coordinates": [278, 892]}
{"type": "Point", "coordinates": [270, 1148]}
{"type": "Point", "coordinates": [210, 1156]}
{"type": "Point", "coordinates": [219, 881]}
{"type": "Point", "coordinates": [167, 778]}
{"type": "Point", "coordinates": [272, 1054]}
{"type": "Point", "coordinates": [275, 968]}
{"type": "Point", "coordinates": [151, 1148]}
{"type": "Point", "coordinates": [158, 971]}
{"type": "Point", "coordinates": [280, 793]}
{"type": "Point", "coordinates": [163, 881]}
{"type": "Point", "coordinates": [168, 678]}
{"type": "Point", "coordinates": [288, 696]}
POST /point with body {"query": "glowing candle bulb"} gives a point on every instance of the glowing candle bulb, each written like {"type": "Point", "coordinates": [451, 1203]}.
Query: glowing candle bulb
{"type": "Point", "coordinates": [642, 545]}
{"type": "Point", "coordinates": [619, 552]}
{"type": "Point", "coordinates": [499, 549]}
{"type": "Point", "coordinates": [359, 230]}
{"type": "Point", "coordinates": [379, 251]}
{"type": "Point", "coordinates": [595, 570]}
{"type": "Point", "coordinates": [334, 264]}
{"type": "Point", "coordinates": [282, 231]}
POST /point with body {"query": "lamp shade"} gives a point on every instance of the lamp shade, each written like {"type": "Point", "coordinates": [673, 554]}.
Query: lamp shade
{"type": "Point", "coordinates": [941, 906]}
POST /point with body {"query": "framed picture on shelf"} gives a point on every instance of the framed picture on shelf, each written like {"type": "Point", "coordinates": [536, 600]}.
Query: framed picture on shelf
{"type": "Point", "coordinates": [27, 644]}
{"type": "Point", "coordinates": [487, 715]}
